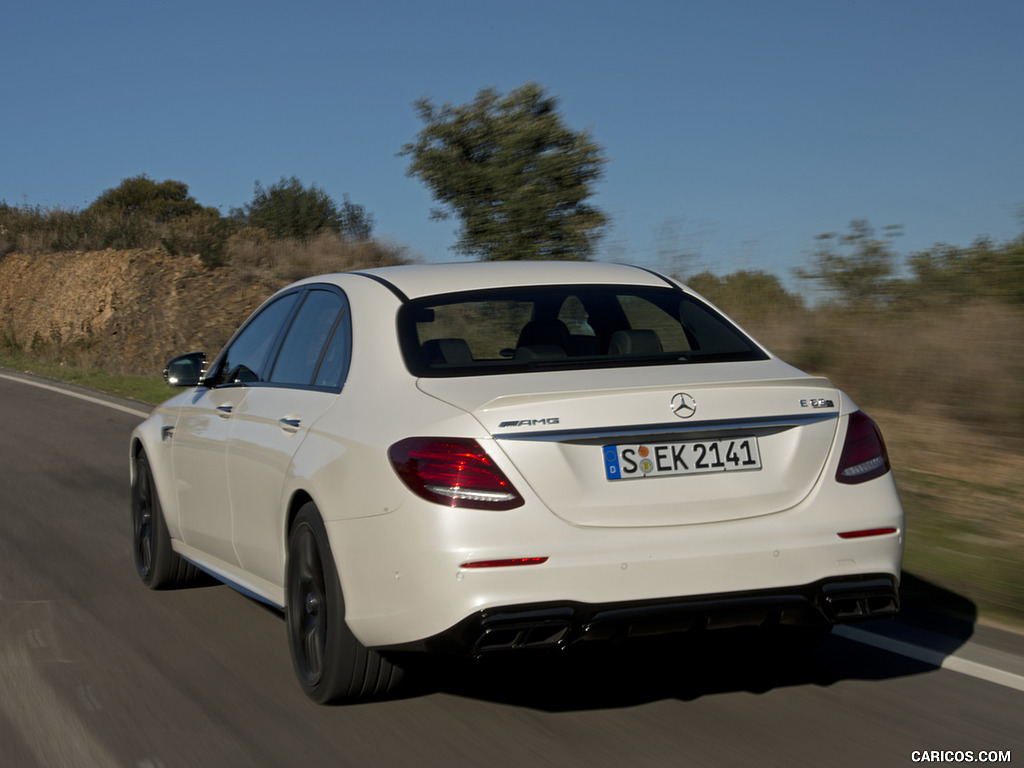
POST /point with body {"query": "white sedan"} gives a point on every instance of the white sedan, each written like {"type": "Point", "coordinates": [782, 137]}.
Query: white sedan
{"type": "Point", "coordinates": [503, 456]}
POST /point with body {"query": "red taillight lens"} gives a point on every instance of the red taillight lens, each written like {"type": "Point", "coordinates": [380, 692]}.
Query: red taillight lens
{"type": "Point", "coordinates": [455, 472]}
{"type": "Point", "coordinates": [864, 455]}
{"type": "Point", "coordinates": [506, 563]}
{"type": "Point", "coordinates": [866, 533]}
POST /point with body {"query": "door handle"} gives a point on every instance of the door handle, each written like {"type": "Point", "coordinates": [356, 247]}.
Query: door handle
{"type": "Point", "coordinates": [225, 410]}
{"type": "Point", "coordinates": [289, 424]}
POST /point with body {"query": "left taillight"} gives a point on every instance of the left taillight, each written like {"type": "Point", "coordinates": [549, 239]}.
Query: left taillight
{"type": "Point", "coordinates": [864, 454]}
{"type": "Point", "coordinates": [456, 472]}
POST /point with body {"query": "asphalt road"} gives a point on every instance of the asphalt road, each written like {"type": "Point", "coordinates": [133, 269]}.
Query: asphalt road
{"type": "Point", "coordinates": [95, 670]}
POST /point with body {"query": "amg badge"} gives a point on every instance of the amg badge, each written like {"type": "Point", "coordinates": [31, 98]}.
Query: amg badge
{"type": "Point", "coordinates": [528, 423]}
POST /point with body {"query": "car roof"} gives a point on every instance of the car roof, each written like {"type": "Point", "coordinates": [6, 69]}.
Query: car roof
{"type": "Point", "coordinates": [417, 280]}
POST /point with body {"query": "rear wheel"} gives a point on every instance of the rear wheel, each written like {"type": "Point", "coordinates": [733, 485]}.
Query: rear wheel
{"type": "Point", "coordinates": [330, 662]}
{"type": "Point", "coordinates": [157, 564]}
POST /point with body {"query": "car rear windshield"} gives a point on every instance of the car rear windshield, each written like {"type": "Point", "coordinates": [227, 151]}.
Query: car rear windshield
{"type": "Point", "coordinates": [512, 330]}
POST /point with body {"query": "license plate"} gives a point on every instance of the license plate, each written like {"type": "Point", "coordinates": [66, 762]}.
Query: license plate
{"type": "Point", "coordinates": [627, 462]}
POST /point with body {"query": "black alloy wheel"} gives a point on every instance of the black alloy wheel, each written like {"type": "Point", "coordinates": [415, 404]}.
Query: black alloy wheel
{"type": "Point", "coordinates": [309, 621]}
{"type": "Point", "coordinates": [156, 562]}
{"type": "Point", "coordinates": [330, 662]}
{"type": "Point", "coordinates": [142, 520]}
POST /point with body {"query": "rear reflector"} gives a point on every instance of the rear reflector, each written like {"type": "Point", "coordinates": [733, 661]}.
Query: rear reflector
{"type": "Point", "coordinates": [455, 472]}
{"type": "Point", "coordinates": [864, 455]}
{"type": "Point", "coordinates": [867, 532]}
{"type": "Point", "coordinates": [504, 563]}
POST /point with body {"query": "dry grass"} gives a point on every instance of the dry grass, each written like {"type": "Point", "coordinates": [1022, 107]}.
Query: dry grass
{"type": "Point", "coordinates": [963, 491]}
{"type": "Point", "coordinates": [961, 364]}
{"type": "Point", "coordinates": [947, 389]}
{"type": "Point", "coordinates": [255, 254]}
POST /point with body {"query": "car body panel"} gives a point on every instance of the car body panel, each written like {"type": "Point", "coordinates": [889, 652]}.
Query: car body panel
{"type": "Point", "coordinates": [199, 458]}
{"type": "Point", "coordinates": [266, 432]}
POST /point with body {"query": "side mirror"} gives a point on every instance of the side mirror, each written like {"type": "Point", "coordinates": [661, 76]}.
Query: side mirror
{"type": "Point", "coordinates": [185, 370]}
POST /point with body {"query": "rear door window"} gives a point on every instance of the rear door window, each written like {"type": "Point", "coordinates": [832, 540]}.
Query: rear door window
{"type": "Point", "coordinates": [302, 351]}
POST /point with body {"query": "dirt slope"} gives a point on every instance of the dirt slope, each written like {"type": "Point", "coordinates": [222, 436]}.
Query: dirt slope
{"type": "Point", "coordinates": [122, 311]}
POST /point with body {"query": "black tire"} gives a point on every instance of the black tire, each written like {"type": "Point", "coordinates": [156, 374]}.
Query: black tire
{"type": "Point", "coordinates": [331, 664]}
{"type": "Point", "coordinates": [157, 564]}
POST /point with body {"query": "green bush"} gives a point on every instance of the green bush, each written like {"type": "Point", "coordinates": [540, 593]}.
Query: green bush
{"type": "Point", "coordinates": [144, 214]}
{"type": "Point", "coordinates": [204, 233]}
{"type": "Point", "coordinates": [142, 197]}
{"type": "Point", "coordinates": [289, 209]}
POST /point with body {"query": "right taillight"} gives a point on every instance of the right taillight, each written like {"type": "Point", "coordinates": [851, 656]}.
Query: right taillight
{"type": "Point", "coordinates": [864, 455]}
{"type": "Point", "coordinates": [455, 472]}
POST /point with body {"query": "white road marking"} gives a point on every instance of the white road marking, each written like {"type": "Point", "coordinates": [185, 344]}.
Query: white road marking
{"type": "Point", "coordinates": [951, 662]}
{"type": "Point", "coordinates": [70, 393]}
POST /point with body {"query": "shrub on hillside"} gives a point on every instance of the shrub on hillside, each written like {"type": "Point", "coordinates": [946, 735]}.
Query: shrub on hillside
{"type": "Point", "coordinates": [254, 251]}
{"type": "Point", "coordinates": [142, 197]}
{"type": "Point", "coordinates": [290, 210]}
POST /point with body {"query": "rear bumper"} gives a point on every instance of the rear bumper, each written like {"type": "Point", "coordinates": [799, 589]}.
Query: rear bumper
{"type": "Point", "coordinates": [554, 625]}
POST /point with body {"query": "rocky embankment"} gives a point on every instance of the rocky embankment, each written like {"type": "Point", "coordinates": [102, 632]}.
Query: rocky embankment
{"type": "Point", "coordinates": [125, 312]}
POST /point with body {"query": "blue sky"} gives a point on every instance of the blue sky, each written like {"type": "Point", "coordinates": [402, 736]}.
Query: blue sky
{"type": "Point", "coordinates": [735, 131]}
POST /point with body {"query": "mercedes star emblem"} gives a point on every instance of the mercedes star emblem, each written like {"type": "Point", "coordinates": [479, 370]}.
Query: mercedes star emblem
{"type": "Point", "coordinates": [683, 405]}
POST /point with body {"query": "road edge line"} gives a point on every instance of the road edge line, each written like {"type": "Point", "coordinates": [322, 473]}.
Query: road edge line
{"type": "Point", "coordinates": [70, 393]}
{"type": "Point", "coordinates": [936, 658]}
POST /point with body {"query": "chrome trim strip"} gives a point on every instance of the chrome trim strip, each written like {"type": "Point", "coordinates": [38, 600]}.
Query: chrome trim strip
{"type": "Point", "coordinates": [674, 428]}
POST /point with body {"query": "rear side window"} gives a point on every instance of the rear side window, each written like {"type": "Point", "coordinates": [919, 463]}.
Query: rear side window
{"type": "Point", "coordinates": [304, 344]}
{"type": "Point", "coordinates": [526, 329]}
{"type": "Point", "coordinates": [334, 365]}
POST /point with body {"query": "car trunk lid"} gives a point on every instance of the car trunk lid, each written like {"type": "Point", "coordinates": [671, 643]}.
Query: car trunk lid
{"type": "Point", "coordinates": [722, 442]}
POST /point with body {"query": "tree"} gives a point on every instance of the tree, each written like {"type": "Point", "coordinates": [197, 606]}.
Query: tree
{"type": "Point", "coordinates": [951, 274]}
{"type": "Point", "coordinates": [289, 209]}
{"type": "Point", "coordinates": [356, 223]}
{"type": "Point", "coordinates": [514, 174]}
{"type": "Point", "coordinates": [160, 201]}
{"type": "Point", "coordinates": [862, 276]}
